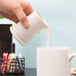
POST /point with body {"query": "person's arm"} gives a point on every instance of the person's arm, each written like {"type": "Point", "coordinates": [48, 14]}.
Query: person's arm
{"type": "Point", "coordinates": [16, 10]}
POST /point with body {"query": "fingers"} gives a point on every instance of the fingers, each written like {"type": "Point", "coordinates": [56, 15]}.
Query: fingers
{"type": "Point", "coordinates": [27, 7]}
{"type": "Point", "coordinates": [18, 11]}
{"type": "Point", "coordinates": [11, 17]}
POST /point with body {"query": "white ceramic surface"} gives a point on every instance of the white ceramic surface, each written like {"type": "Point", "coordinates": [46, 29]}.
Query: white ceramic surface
{"type": "Point", "coordinates": [54, 61]}
{"type": "Point", "coordinates": [36, 24]}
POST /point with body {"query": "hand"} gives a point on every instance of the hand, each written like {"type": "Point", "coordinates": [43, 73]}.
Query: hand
{"type": "Point", "coordinates": [16, 10]}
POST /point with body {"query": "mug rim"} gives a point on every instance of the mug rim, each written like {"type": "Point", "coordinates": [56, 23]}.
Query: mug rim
{"type": "Point", "coordinates": [55, 48]}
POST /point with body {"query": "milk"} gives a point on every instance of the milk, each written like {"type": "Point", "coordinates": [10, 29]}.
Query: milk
{"type": "Point", "coordinates": [48, 36]}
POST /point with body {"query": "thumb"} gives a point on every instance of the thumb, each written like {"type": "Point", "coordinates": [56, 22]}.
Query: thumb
{"type": "Point", "coordinates": [18, 11]}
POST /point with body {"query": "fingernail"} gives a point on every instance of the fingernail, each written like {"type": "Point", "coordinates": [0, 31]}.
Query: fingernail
{"type": "Point", "coordinates": [25, 24]}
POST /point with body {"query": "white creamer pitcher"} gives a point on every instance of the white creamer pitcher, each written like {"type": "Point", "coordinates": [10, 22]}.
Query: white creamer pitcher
{"type": "Point", "coordinates": [54, 61]}
{"type": "Point", "coordinates": [24, 35]}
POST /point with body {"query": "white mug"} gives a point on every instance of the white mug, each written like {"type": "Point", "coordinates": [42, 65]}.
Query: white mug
{"type": "Point", "coordinates": [54, 61]}
{"type": "Point", "coordinates": [36, 24]}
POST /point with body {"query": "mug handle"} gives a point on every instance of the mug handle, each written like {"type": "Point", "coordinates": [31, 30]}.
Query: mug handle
{"type": "Point", "coordinates": [72, 56]}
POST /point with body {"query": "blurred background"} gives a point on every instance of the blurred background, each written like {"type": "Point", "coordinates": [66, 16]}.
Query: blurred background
{"type": "Point", "coordinates": [61, 17]}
